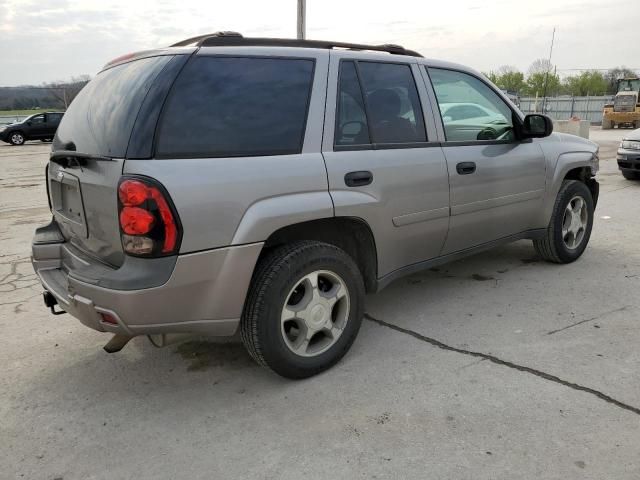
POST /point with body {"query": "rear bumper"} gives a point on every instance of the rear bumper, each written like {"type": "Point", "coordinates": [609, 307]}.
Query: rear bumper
{"type": "Point", "coordinates": [203, 292]}
{"type": "Point", "coordinates": [628, 160]}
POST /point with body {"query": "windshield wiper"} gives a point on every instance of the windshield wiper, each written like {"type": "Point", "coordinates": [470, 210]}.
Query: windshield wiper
{"type": "Point", "coordinates": [68, 158]}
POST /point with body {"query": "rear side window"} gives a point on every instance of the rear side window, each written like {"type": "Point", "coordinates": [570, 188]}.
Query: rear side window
{"type": "Point", "coordinates": [237, 106]}
{"type": "Point", "coordinates": [378, 103]}
{"type": "Point", "coordinates": [352, 128]}
{"type": "Point", "coordinates": [54, 117]}
{"type": "Point", "coordinates": [100, 119]}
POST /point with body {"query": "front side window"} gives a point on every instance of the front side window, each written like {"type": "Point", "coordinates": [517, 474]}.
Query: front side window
{"type": "Point", "coordinates": [37, 120]}
{"type": "Point", "coordinates": [237, 106]}
{"type": "Point", "coordinates": [470, 109]}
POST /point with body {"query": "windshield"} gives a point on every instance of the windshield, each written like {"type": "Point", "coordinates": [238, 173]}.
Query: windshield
{"type": "Point", "coordinates": [629, 85]}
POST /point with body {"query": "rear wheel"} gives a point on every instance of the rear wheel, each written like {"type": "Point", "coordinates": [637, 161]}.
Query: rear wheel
{"type": "Point", "coordinates": [16, 138]}
{"type": "Point", "coordinates": [304, 309]}
{"type": "Point", "coordinates": [630, 175]}
{"type": "Point", "coordinates": [570, 226]}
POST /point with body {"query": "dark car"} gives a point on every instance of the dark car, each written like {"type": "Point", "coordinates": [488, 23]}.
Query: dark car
{"type": "Point", "coordinates": [41, 126]}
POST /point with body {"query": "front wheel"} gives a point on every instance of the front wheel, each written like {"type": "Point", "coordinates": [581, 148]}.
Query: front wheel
{"type": "Point", "coordinates": [304, 309]}
{"type": "Point", "coordinates": [570, 226]}
{"type": "Point", "coordinates": [16, 138]}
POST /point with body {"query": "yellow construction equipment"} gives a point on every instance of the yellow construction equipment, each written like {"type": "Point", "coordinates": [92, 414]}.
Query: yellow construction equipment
{"type": "Point", "coordinates": [625, 109]}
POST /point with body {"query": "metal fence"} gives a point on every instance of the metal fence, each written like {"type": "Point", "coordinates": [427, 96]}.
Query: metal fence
{"type": "Point", "coordinates": [563, 108]}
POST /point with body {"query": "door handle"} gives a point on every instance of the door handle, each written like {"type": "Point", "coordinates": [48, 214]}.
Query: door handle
{"type": "Point", "coordinates": [465, 168]}
{"type": "Point", "coordinates": [358, 179]}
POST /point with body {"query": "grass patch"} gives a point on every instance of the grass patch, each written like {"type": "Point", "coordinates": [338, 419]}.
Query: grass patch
{"type": "Point", "coordinates": [22, 113]}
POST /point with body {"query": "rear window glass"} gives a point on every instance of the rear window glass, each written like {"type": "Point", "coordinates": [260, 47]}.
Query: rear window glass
{"type": "Point", "coordinates": [100, 119]}
{"type": "Point", "coordinates": [237, 106]}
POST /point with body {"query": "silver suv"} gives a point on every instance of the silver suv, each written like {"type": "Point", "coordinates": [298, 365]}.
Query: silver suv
{"type": "Point", "coordinates": [266, 185]}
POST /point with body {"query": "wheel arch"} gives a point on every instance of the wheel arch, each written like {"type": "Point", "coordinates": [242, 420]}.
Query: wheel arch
{"type": "Point", "coordinates": [578, 165]}
{"type": "Point", "coordinates": [351, 234]}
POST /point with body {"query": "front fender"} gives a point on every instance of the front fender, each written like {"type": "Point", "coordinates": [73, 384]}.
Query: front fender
{"type": "Point", "coordinates": [565, 153]}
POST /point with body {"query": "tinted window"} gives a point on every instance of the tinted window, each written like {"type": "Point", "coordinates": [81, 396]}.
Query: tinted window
{"type": "Point", "coordinates": [393, 105]}
{"type": "Point", "coordinates": [464, 122]}
{"type": "Point", "coordinates": [100, 118]}
{"type": "Point", "coordinates": [54, 117]}
{"type": "Point", "coordinates": [37, 119]}
{"type": "Point", "coordinates": [230, 106]}
{"type": "Point", "coordinates": [351, 127]}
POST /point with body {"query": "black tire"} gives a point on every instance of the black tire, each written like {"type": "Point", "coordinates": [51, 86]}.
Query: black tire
{"type": "Point", "coordinates": [630, 175]}
{"type": "Point", "coordinates": [552, 246]}
{"type": "Point", "coordinates": [17, 138]}
{"type": "Point", "coordinates": [276, 275]}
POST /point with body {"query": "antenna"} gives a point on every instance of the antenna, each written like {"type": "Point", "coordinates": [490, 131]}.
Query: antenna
{"type": "Point", "coordinates": [546, 76]}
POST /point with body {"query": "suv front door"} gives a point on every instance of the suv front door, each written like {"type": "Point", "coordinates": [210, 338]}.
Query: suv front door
{"type": "Point", "coordinates": [36, 126]}
{"type": "Point", "coordinates": [382, 161]}
{"type": "Point", "coordinates": [497, 181]}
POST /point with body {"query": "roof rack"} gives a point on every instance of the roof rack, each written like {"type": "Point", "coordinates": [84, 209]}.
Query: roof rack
{"type": "Point", "coordinates": [234, 39]}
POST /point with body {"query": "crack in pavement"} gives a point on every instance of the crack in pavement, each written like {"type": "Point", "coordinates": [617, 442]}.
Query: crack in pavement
{"type": "Point", "coordinates": [506, 363]}
{"type": "Point", "coordinates": [589, 319]}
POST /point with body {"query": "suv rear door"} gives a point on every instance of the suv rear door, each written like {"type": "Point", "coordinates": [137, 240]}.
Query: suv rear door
{"type": "Point", "coordinates": [382, 161]}
{"type": "Point", "coordinates": [98, 124]}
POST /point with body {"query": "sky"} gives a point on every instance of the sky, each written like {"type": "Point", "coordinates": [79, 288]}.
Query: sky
{"type": "Point", "coordinates": [51, 40]}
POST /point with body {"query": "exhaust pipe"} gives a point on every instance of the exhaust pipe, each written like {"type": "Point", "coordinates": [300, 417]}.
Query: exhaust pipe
{"type": "Point", "coordinates": [117, 343]}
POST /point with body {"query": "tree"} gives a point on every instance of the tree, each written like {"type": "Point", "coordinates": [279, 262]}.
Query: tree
{"type": "Point", "coordinates": [540, 75]}
{"type": "Point", "coordinates": [587, 83]}
{"type": "Point", "coordinates": [65, 92]}
{"type": "Point", "coordinates": [507, 78]}
{"type": "Point", "coordinates": [541, 65]}
{"type": "Point", "coordinates": [614, 74]}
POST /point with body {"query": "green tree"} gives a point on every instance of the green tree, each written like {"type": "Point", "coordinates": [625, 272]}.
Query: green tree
{"type": "Point", "coordinates": [587, 83]}
{"type": "Point", "coordinates": [535, 84]}
{"type": "Point", "coordinates": [507, 78]}
{"type": "Point", "coordinates": [542, 74]}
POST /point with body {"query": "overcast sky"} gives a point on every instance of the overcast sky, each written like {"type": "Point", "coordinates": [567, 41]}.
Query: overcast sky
{"type": "Point", "coordinates": [47, 40]}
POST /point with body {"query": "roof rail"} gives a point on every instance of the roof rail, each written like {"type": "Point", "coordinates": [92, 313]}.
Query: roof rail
{"type": "Point", "coordinates": [234, 39]}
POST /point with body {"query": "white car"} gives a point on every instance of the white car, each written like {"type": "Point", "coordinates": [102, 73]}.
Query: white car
{"type": "Point", "coordinates": [463, 118]}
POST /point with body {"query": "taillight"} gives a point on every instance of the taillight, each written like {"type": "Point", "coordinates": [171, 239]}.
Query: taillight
{"type": "Point", "coordinates": [149, 224]}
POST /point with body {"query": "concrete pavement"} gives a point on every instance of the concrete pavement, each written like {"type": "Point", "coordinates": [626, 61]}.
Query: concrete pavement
{"type": "Point", "coordinates": [499, 366]}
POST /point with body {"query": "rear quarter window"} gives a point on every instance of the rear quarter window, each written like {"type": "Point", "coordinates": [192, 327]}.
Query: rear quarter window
{"type": "Point", "coordinates": [236, 106]}
{"type": "Point", "coordinates": [100, 119]}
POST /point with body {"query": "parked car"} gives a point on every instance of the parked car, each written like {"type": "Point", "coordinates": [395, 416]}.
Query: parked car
{"type": "Point", "coordinates": [471, 120]}
{"type": "Point", "coordinates": [629, 155]}
{"type": "Point", "coordinates": [41, 126]}
{"type": "Point", "coordinates": [266, 185]}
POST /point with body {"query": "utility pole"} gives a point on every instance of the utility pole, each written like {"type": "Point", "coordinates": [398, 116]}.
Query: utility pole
{"type": "Point", "coordinates": [546, 77]}
{"type": "Point", "coordinates": [302, 13]}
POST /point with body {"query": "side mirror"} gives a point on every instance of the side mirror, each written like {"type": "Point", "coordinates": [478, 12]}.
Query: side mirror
{"type": "Point", "coordinates": [29, 123]}
{"type": "Point", "coordinates": [537, 126]}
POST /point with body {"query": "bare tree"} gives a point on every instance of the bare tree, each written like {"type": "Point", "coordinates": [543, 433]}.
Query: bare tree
{"type": "Point", "coordinates": [541, 65]}
{"type": "Point", "coordinates": [65, 92]}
